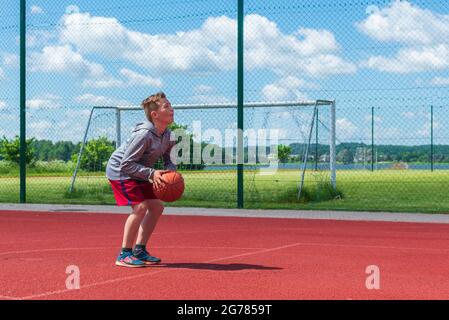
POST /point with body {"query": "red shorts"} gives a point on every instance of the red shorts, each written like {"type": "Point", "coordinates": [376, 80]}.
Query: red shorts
{"type": "Point", "coordinates": [129, 191]}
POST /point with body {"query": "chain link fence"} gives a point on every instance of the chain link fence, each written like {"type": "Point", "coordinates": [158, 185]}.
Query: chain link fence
{"type": "Point", "coordinates": [9, 97]}
{"type": "Point", "coordinates": [384, 63]}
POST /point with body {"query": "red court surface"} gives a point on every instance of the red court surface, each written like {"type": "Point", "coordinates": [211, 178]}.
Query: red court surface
{"type": "Point", "coordinates": [222, 258]}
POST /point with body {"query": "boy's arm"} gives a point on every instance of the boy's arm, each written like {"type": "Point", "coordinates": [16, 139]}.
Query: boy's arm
{"type": "Point", "coordinates": [133, 154]}
{"type": "Point", "coordinates": [168, 164]}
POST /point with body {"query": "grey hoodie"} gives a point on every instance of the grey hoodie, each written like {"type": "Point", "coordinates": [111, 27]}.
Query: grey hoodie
{"type": "Point", "coordinates": [135, 158]}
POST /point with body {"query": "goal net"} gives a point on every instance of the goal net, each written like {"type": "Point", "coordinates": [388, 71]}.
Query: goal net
{"type": "Point", "coordinates": [288, 148]}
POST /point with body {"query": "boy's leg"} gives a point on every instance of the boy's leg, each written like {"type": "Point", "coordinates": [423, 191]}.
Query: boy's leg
{"type": "Point", "coordinates": [126, 257]}
{"type": "Point", "coordinates": [155, 209]}
{"type": "Point", "coordinates": [132, 224]}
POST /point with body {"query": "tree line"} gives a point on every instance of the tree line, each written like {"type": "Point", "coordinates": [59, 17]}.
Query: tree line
{"type": "Point", "coordinates": [358, 152]}
{"type": "Point", "coordinates": [97, 151]}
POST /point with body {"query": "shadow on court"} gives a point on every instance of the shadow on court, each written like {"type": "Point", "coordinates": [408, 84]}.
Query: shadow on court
{"type": "Point", "coordinates": [215, 266]}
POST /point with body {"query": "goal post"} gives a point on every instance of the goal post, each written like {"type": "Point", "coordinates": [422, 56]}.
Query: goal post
{"type": "Point", "coordinates": [298, 120]}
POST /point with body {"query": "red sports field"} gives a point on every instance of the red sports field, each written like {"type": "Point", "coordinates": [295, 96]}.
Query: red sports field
{"type": "Point", "coordinates": [222, 258]}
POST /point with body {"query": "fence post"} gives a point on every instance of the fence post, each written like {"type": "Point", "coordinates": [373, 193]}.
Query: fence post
{"type": "Point", "coordinates": [118, 128]}
{"type": "Point", "coordinates": [23, 147]}
{"type": "Point", "coordinates": [372, 138]}
{"type": "Point", "coordinates": [316, 141]}
{"type": "Point", "coordinates": [333, 147]}
{"type": "Point", "coordinates": [431, 138]}
{"type": "Point", "coordinates": [240, 43]}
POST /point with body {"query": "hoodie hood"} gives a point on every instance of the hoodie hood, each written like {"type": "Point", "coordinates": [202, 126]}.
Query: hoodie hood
{"type": "Point", "coordinates": [147, 125]}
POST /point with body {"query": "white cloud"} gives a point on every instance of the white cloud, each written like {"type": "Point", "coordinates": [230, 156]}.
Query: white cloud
{"type": "Point", "coordinates": [96, 100]}
{"type": "Point", "coordinates": [287, 88]}
{"type": "Point", "coordinates": [408, 115]}
{"type": "Point", "coordinates": [10, 59]}
{"type": "Point", "coordinates": [412, 60]}
{"type": "Point", "coordinates": [36, 10]}
{"type": "Point", "coordinates": [403, 22]}
{"type": "Point", "coordinates": [72, 9]}
{"type": "Point", "coordinates": [424, 131]}
{"type": "Point", "coordinates": [312, 51]}
{"type": "Point", "coordinates": [137, 79]}
{"type": "Point", "coordinates": [2, 104]}
{"type": "Point", "coordinates": [64, 59]}
{"type": "Point", "coordinates": [40, 125]}
{"type": "Point", "coordinates": [203, 88]}
{"type": "Point", "coordinates": [58, 59]}
{"type": "Point", "coordinates": [39, 129]}
{"type": "Point", "coordinates": [75, 113]}
{"type": "Point", "coordinates": [46, 101]}
{"type": "Point", "coordinates": [35, 38]}
{"type": "Point", "coordinates": [422, 32]}
{"type": "Point", "coordinates": [205, 94]}
{"type": "Point", "coordinates": [345, 128]}
{"type": "Point", "coordinates": [377, 119]}
{"type": "Point", "coordinates": [2, 74]}
{"type": "Point", "coordinates": [387, 133]}
{"type": "Point", "coordinates": [441, 81]}
{"type": "Point", "coordinates": [210, 47]}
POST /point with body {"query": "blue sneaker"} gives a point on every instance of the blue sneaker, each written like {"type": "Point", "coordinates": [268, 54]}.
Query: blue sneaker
{"type": "Point", "coordinates": [144, 256]}
{"type": "Point", "coordinates": [127, 259]}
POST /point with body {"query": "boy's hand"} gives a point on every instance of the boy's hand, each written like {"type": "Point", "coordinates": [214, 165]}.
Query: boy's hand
{"type": "Point", "coordinates": [157, 178]}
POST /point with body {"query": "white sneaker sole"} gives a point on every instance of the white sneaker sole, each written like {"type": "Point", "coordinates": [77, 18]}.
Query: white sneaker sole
{"type": "Point", "coordinates": [121, 264]}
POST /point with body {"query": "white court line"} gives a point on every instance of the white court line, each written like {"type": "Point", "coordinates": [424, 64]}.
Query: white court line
{"type": "Point", "coordinates": [120, 236]}
{"type": "Point", "coordinates": [231, 257]}
{"type": "Point", "coordinates": [102, 248]}
{"type": "Point", "coordinates": [241, 248]}
{"type": "Point", "coordinates": [50, 250]}
{"type": "Point", "coordinates": [45, 294]}
{"type": "Point", "coordinates": [8, 298]}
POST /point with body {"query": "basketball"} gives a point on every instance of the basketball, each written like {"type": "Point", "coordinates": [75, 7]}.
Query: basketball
{"type": "Point", "coordinates": [173, 187]}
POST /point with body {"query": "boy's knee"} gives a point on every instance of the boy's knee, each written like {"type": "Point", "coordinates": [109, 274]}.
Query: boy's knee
{"type": "Point", "coordinates": [155, 206]}
{"type": "Point", "coordinates": [140, 209]}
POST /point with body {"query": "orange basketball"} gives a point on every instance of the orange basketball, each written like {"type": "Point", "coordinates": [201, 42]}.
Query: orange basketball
{"type": "Point", "coordinates": [173, 187]}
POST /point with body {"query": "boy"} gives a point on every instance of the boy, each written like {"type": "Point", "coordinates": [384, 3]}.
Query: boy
{"type": "Point", "coordinates": [131, 175]}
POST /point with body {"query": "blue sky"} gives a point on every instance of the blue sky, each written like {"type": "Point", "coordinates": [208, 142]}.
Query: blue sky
{"type": "Point", "coordinates": [393, 56]}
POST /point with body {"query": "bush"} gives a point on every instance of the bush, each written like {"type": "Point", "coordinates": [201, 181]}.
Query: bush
{"type": "Point", "coordinates": [96, 154]}
{"type": "Point", "coordinates": [8, 167]}
{"type": "Point", "coordinates": [55, 166]}
{"type": "Point", "coordinates": [10, 150]}
{"type": "Point", "coordinates": [322, 191]}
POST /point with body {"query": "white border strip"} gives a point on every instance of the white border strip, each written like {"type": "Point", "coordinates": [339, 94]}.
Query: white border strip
{"type": "Point", "coordinates": [249, 213]}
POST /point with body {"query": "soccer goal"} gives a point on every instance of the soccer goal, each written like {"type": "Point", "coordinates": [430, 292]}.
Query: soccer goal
{"type": "Point", "coordinates": [287, 145]}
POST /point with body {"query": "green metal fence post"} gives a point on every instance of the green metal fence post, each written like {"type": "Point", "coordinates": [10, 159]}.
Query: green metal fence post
{"type": "Point", "coordinates": [22, 102]}
{"type": "Point", "coordinates": [372, 138]}
{"type": "Point", "coordinates": [316, 142]}
{"type": "Point", "coordinates": [431, 138]}
{"type": "Point", "coordinates": [240, 43]}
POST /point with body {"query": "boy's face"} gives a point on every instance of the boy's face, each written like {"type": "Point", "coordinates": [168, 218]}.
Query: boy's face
{"type": "Point", "coordinates": [165, 113]}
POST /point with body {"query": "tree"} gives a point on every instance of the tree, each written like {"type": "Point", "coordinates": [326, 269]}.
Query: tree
{"type": "Point", "coordinates": [96, 154]}
{"type": "Point", "coordinates": [10, 150]}
{"type": "Point", "coordinates": [43, 149]}
{"type": "Point", "coordinates": [284, 153]}
{"type": "Point", "coordinates": [62, 150]}
{"type": "Point", "coordinates": [345, 156]}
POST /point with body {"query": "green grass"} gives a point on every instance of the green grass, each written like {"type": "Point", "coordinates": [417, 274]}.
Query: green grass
{"type": "Point", "coordinates": [388, 190]}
